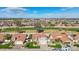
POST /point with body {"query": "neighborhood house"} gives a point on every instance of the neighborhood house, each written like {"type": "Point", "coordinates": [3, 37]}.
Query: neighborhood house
{"type": "Point", "coordinates": [41, 38]}
{"type": "Point", "coordinates": [63, 37]}
{"type": "Point", "coordinates": [18, 38]}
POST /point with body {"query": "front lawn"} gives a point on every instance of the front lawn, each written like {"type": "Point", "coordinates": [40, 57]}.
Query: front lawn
{"type": "Point", "coordinates": [5, 46]}
{"type": "Point", "coordinates": [77, 45]}
{"type": "Point", "coordinates": [31, 45]}
{"type": "Point", "coordinates": [55, 45]}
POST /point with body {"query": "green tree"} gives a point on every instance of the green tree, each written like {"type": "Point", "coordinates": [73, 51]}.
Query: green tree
{"type": "Point", "coordinates": [38, 27]}
{"type": "Point", "coordinates": [0, 30]}
{"type": "Point", "coordinates": [50, 23]}
{"type": "Point", "coordinates": [8, 37]}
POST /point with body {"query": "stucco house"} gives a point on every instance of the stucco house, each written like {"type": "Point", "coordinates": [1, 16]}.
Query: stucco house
{"type": "Point", "coordinates": [41, 38]}
{"type": "Point", "coordinates": [62, 36]}
{"type": "Point", "coordinates": [18, 39]}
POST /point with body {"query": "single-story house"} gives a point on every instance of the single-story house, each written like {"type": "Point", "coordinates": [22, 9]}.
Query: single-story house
{"type": "Point", "coordinates": [62, 36]}
{"type": "Point", "coordinates": [18, 38]}
{"type": "Point", "coordinates": [40, 38]}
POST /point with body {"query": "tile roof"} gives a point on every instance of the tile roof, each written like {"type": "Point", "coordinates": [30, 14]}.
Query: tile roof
{"type": "Point", "coordinates": [38, 35]}
{"type": "Point", "coordinates": [19, 36]}
{"type": "Point", "coordinates": [58, 35]}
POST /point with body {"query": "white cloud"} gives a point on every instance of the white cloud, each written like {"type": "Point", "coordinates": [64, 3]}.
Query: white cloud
{"type": "Point", "coordinates": [13, 12]}
{"type": "Point", "coordinates": [20, 13]}
{"type": "Point", "coordinates": [14, 8]}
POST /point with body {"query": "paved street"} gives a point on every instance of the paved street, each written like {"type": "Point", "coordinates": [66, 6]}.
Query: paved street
{"type": "Point", "coordinates": [75, 49]}
{"type": "Point", "coordinates": [25, 49]}
{"type": "Point", "coordinates": [41, 49]}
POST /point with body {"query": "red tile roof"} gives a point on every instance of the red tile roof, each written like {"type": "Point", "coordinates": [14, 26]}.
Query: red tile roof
{"type": "Point", "coordinates": [57, 35]}
{"type": "Point", "coordinates": [19, 36]}
{"type": "Point", "coordinates": [38, 35]}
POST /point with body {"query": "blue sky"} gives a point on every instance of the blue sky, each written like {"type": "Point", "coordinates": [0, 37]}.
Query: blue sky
{"type": "Point", "coordinates": [39, 12]}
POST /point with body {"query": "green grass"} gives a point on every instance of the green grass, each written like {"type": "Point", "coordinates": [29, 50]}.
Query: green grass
{"type": "Point", "coordinates": [77, 45]}
{"type": "Point", "coordinates": [46, 28]}
{"type": "Point", "coordinates": [6, 46]}
{"type": "Point", "coordinates": [55, 45]}
{"type": "Point", "coordinates": [67, 29]}
{"type": "Point", "coordinates": [16, 29]}
{"type": "Point", "coordinates": [30, 45]}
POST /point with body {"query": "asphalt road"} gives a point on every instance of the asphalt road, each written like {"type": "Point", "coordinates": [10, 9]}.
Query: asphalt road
{"type": "Point", "coordinates": [25, 49]}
